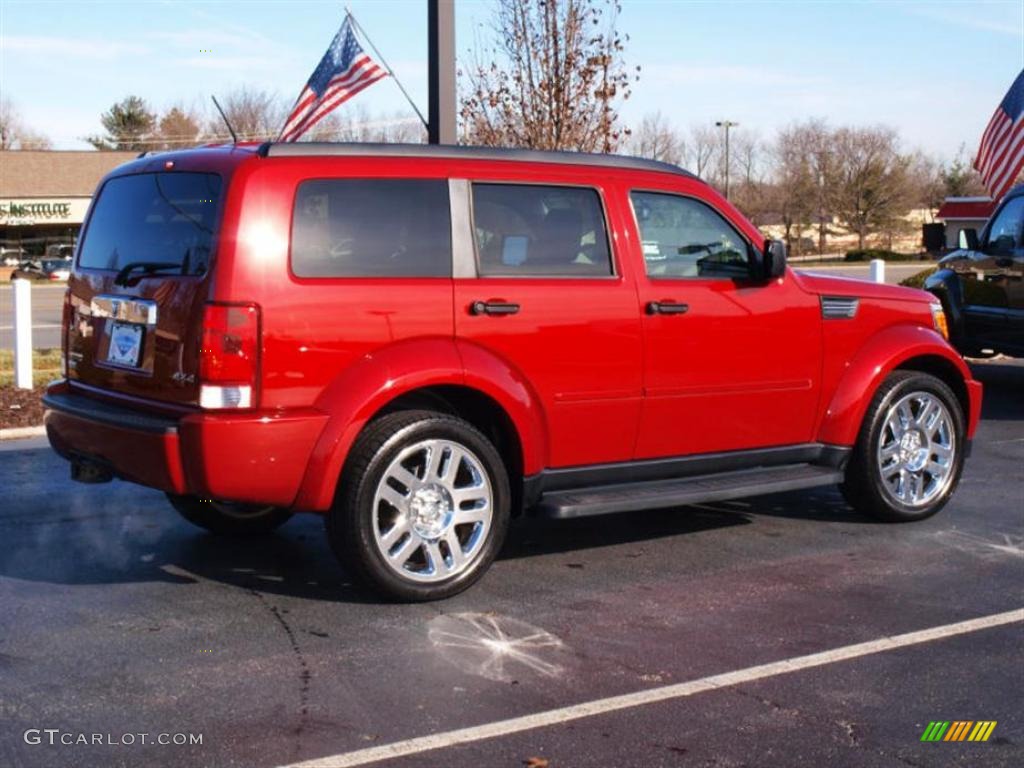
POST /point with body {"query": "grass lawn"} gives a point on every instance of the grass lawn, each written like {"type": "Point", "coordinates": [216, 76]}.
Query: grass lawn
{"type": "Point", "coordinates": [45, 366]}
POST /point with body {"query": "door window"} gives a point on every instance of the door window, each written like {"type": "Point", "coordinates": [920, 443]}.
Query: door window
{"type": "Point", "coordinates": [684, 238]}
{"type": "Point", "coordinates": [372, 228]}
{"type": "Point", "coordinates": [533, 230]}
{"type": "Point", "coordinates": [1004, 235]}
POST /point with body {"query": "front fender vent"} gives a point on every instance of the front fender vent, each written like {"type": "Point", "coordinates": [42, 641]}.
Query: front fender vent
{"type": "Point", "coordinates": [839, 307]}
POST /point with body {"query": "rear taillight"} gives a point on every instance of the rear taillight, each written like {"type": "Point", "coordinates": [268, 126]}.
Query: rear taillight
{"type": "Point", "coordinates": [65, 324]}
{"type": "Point", "coordinates": [229, 356]}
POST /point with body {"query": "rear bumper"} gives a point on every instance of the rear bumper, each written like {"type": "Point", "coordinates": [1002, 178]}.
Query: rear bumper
{"type": "Point", "coordinates": [252, 457]}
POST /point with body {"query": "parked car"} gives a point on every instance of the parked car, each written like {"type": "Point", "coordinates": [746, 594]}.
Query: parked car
{"type": "Point", "coordinates": [61, 251]}
{"type": "Point", "coordinates": [46, 269]}
{"type": "Point", "coordinates": [981, 286]}
{"type": "Point", "coordinates": [12, 257]}
{"type": "Point", "coordinates": [420, 342]}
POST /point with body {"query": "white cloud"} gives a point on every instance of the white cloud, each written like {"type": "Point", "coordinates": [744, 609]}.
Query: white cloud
{"type": "Point", "coordinates": [74, 47]}
{"type": "Point", "coordinates": [985, 19]}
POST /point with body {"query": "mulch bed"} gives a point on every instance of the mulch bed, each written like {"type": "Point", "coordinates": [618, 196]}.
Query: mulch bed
{"type": "Point", "coordinates": [20, 407]}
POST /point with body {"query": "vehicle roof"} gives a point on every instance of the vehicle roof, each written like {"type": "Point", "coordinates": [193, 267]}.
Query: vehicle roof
{"type": "Point", "coordinates": [455, 152]}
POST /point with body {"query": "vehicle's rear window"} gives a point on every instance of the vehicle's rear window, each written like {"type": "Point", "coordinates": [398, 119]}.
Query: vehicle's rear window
{"type": "Point", "coordinates": [165, 218]}
{"type": "Point", "coordinates": [372, 228]}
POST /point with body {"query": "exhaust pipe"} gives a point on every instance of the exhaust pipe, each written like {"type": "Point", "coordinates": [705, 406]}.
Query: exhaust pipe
{"type": "Point", "coordinates": [90, 472]}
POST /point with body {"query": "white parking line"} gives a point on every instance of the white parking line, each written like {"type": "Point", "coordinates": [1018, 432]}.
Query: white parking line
{"type": "Point", "coordinates": [653, 695]}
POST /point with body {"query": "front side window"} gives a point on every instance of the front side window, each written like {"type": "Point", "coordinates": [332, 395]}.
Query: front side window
{"type": "Point", "coordinates": [1006, 229]}
{"type": "Point", "coordinates": [684, 238]}
{"type": "Point", "coordinates": [372, 228]}
{"type": "Point", "coordinates": [534, 230]}
{"type": "Point", "coordinates": [157, 218]}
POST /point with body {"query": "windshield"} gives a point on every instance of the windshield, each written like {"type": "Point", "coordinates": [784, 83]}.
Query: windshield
{"type": "Point", "coordinates": [165, 218]}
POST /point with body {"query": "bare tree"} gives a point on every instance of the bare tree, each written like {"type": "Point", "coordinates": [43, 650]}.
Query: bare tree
{"type": "Point", "coordinates": [256, 115]}
{"type": "Point", "coordinates": [872, 183]}
{"type": "Point", "coordinates": [656, 139]}
{"type": "Point", "coordinates": [794, 192]}
{"type": "Point", "coordinates": [179, 127]}
{"type": "Point", "coordinates": [14, 134]}
{"type": "Point", "coordinates": [551, 77]}
{"type": "Point", "coordinates": [702, 148]}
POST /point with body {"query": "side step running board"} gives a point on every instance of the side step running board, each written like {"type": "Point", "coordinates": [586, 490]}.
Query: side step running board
{"type": "Point", "coordinates": [602, 500]}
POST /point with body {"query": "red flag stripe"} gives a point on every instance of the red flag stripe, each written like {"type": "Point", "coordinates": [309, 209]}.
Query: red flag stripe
{"type": "Point", "coordinates": [308, 105]}
{"type": "Point", "coordinates": [328, 99]}
{"type": "Point", "coordinates": [1006, 147]}
{"type": "Point", "coordinates": [995, 140]}
{"type": "Point", "coordinates": [1006, 183]}
{"type": "Point", "coordinates": [340, 83]}
{"type": "Point", "coordinates": [309, 96]}
{"type": "Point", "coordinates": [1005, 176]}
{"type": "Point", "coordinates": [987, 135]}
{"type": "Point", "coordinates": [325, 109]}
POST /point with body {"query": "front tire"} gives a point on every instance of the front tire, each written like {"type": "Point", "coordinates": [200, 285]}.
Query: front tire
{"type": "Point", "coordinates": [229, 518]}
{"type": "Point", "coordinates": [422, 508]}
{"type": "Point", "coordinates": [910, 452]}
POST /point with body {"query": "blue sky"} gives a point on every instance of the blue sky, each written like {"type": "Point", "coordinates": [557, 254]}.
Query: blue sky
{"type": "Point", "coordinates": [933, 70]}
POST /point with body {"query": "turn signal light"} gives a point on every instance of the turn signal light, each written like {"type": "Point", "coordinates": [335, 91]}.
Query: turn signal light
{"type": "Point", "coordinates": [939, 320]}
{"type": "Point", "coordinates": [229, 356]}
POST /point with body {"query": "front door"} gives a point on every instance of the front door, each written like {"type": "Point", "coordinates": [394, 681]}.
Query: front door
{"type": "Point", "coordinates": [732, 362]}
{"type": "Point", "coordinates": [550, 303]}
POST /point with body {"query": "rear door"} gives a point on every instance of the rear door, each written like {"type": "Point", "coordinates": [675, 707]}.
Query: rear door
{"type": "Point", "coordinates": [141, 279]}
{"type": "Point", "coordinates": [551, 302]}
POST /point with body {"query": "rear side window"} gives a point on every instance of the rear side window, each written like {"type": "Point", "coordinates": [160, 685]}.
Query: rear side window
{"type": "Point", "coordinates": [164, 218]}
{"type": "Point", "coordinates": [533, 230]}
{"type": "Point", "coordinates": [372, 228]}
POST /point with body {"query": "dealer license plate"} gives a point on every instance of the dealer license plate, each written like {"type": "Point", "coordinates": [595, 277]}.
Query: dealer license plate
{"type": "Point", "coordinates": [125, 344]}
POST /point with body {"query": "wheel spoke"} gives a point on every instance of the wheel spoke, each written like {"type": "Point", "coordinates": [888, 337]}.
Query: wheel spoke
{"type": "Point", "coordinates": [435, 458]}
{"type": "Point", "coordinates": [455, 548]}
{"type": "Point", "coordinates": [472, 493]}
{"type": "Point", "coordinates": [404, 476]}
{"type": "Point", "coordinates": [935, 469]}
{"type": "Point", "coordinates": [927, 404]}
{"type": "Point", "coordinates": [394, 498]}
{"type": "Point", "coordinates": [399, 529]}
{"type": "Point", "coordinates": [942, 451]}
{"type": "Point", "coordinates": [475, 515]}
{"type": "Point", "coordinates": [435, 561]}
{"type": "Point", "coordinates": [407, 550]}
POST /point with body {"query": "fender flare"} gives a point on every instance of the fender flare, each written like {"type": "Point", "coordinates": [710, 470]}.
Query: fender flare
{"type": "Point", "coordinates": [881, 355]}
{"type": "Point", "coordinates": [362, 389]}
{"type": "Point", "coordinates": [945, 285]}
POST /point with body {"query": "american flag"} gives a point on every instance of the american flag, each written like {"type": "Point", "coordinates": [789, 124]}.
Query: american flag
{"type": "Point", "coordinates": [342, 73]}
{"type": "Point", "coordinates": [1001, 154]}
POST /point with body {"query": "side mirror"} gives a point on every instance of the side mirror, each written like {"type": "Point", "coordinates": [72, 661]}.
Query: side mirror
{"type": "Point", "coordinates": [774, 258]}
{"type": "Point", "coordinates": [969, 239]}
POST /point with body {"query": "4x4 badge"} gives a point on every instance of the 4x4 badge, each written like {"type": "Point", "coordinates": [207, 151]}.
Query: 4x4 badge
{"type": "Point", "coordinates": [180, 377]}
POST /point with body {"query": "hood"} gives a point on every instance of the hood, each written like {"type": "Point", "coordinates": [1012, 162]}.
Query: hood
{"type": "Point", "coordinates": [831, 285]}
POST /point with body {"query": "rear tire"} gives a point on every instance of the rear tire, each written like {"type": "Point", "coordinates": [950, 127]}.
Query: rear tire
{"type": "Point", "coordinates": [228, 518]}
{"type": "Point", "coordinates": [910, 452]}
{"type": "Point", "coordinates": [422, 507]}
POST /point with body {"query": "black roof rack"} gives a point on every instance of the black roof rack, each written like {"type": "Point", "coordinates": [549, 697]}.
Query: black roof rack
{"type": "Point", "coordinates": [452, 152]}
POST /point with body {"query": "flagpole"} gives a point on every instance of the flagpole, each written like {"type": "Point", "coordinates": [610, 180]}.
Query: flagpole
{"type": "Point", "coordinates": [359, 28]}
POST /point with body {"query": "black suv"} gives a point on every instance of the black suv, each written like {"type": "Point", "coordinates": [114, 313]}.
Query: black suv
{"type": "Point", "coordinates": [981, 286]}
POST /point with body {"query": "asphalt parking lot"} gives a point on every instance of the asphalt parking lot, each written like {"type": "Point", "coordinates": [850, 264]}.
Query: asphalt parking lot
{"type": "Point", "coordinates": [118, 618]}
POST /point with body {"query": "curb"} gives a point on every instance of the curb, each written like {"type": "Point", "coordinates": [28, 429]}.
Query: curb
{"type": "Point", "coordinates": [18, 433]}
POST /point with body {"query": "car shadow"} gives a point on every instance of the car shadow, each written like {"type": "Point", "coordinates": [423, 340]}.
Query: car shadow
{"type": "Point", "coordinates": [137, 538]}
{"type": "Point", "coordinates": [1003, 380]}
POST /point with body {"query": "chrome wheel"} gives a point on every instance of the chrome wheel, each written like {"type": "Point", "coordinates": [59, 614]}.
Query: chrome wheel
{"type": "Point", "coordinates": [432, 511]}
{"type": "Point", "coordinates": [917, 449]}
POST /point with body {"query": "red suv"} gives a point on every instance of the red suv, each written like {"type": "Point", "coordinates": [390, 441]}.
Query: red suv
{"type": "Point", "coordinates": [420, 342]}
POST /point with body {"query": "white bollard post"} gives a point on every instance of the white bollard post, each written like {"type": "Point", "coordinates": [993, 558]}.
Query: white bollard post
{"type": "Point", "coordinates": [878, 270]}
{"type": "Point", "coordinates": [22, 334]}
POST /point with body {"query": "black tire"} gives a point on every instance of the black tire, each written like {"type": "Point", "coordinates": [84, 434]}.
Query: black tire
{"type": "Point", "coordinates": [863, 487]}
{"type": "Point", "coordinates": [352, 521]}
{"type": "Point", "coordinates": [228, 518]}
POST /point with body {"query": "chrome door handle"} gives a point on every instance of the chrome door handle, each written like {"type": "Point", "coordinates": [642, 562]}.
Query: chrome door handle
{"type": "Point", "coordinates": [493, 308]}
{"type": "Point", "coordinates": [667, 308]}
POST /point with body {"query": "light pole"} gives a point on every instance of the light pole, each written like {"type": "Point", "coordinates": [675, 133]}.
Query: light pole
{"type": "Point", "coordinates": [727, 124]}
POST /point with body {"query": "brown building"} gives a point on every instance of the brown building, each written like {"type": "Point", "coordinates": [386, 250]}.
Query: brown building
{"type": "Point", "coordinates": [44, 195]}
